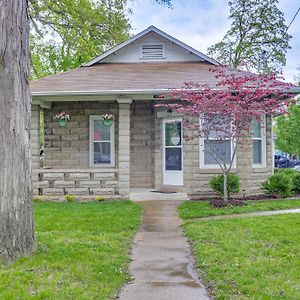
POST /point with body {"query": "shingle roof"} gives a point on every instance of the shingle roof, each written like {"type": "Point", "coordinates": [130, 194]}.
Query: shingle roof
{"type": "Point", "coordinates": [125, 77]}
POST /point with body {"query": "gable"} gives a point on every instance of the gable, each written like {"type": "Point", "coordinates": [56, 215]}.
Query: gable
{"type": "Point", "coordinates": [151, 45]}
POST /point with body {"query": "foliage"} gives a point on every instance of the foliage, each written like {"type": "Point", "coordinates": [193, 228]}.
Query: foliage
{"type": "Point", "coordinates": [217, 184]}
{"type": "Point", "coordinates": [63, 116]}
{"type": "Point", "coordinates": [70, 198]}
{"type": "Point", "coordinates": [200, 209]}
{"type": "Point", "coordinates": [66, 34]}
{"type": "Point", "coordinates": [83, 252]}
{"type": "Point", "coordinates": [296, 182]}
{"type": "Point", "coordinates": [238, 257]}
{"type": "Point", "coordinates": [228, 109]}
{"type": "Point", "coordinates": [286, 171]}
{"type": "Point", "coordinates": [279, 185]}
{"type": "Point", "coordinates": [257, 25]}
{"type": "Point", "coordinates": [288, 130]}
{"type": "Point", "coordinates": [100, 198]}
{"type": "Point", "coordinates": [36, 199]}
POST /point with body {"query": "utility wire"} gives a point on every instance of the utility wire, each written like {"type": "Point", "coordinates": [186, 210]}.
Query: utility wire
{"type": "Point", "coordinates": [287, 29]}
{"type": "Point", "coordinates": [297, 12]}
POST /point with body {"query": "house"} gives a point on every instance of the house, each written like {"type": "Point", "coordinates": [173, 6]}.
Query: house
{"type": "Point", "coordinates": [143, 147]}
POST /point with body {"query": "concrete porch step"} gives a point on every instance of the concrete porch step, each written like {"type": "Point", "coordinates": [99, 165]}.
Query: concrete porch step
{"type": "Point", "coordinates": [151, 194]}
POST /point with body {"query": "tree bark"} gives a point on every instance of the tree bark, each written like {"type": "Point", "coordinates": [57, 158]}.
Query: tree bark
{"type": "Point", "coordinates": [16, 214]}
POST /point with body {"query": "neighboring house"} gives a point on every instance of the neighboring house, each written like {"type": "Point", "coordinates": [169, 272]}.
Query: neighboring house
{"type": "Point", "coordinates": [143, 148]}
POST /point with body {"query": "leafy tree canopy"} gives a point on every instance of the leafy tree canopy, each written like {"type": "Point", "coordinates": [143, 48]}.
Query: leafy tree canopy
{"type": "Point", "coordinates": [258, 33]}
{"type": "Point", "coordinates": [67, 33]}
{"type": "Point", "coordinates": [288, 131]}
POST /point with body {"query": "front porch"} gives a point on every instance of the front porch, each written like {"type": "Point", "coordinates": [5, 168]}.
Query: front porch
{"type": "Point", "coordinates": [69, 164]}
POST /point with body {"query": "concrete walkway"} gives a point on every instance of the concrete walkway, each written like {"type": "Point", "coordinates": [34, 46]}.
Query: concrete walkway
{"type": "Point", "coordinates": [162, 263]}
{"type": "Point", "coordinates": [253, 214]}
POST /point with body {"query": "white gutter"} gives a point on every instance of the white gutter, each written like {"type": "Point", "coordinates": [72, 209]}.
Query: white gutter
{"type": "Point", "coordinates": [103, 92]}
{"type": "Point", "coordinates": [294, 90]}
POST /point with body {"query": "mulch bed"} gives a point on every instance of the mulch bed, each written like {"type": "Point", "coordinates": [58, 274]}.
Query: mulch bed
{"type": "Point", "coordinates": [219, 203]}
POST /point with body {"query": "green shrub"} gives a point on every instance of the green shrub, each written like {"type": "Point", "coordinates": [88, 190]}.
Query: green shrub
{"type": "Point", "coordinates": [296, 182]}
{"type": "Point", "coordinates": [70, 198]}
{"type": "Point", "coordinates": [278, 185]}
{"type": "Point", "coordinates": [36, 199]}
{"type": "Point", "coordinates": [217, 184]}
{"type": "Point", "coordinates": [287, 171]}
{"type": "Point", "coordinates": [100, 198]}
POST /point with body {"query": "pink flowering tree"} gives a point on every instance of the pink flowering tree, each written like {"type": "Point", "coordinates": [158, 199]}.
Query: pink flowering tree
{"type": "Point", "coordinates": [227, 110]}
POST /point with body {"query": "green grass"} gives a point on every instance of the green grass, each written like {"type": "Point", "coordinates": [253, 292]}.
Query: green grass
{"type": "Point", "coordinates": [249, 258]}
{"type": "Point", "coordinates": [82, 253]}
{"type": "Point", "coordinates": [200, 209]}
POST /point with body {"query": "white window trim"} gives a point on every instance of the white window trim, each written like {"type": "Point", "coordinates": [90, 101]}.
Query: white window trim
{"type": "Point", "coordinates": [263, 138]}
{"type": "Point", "coordinates": [202, 164]}
{"type": "Point", "coordinates": [112, 143]}
{"type": "Point", "coordinates": [152, 43]}
{"type": "Point", "coordinates": [168, 120]}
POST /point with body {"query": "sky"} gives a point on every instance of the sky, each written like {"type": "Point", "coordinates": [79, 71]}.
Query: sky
{"type": "Point", "coordinates": [201, 23]}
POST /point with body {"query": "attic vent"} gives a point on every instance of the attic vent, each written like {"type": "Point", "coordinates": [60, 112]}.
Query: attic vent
{"type": "Point", "coordinates": [153, 51]}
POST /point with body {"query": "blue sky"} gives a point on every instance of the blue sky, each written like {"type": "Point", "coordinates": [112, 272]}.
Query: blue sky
{"type": "Point", "coordinates": [201, 23]}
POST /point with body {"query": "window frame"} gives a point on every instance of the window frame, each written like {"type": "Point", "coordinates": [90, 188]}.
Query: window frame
{"type": "Point", "coordinates": [263, 139]}
{"type": "Point", "coordinates": [202, 140]}
{"type": "Point", "coordinates": [93, 118]}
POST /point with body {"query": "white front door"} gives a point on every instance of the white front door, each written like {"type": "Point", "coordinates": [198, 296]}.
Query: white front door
{"type": "Point", "coordinates": [172, 152]}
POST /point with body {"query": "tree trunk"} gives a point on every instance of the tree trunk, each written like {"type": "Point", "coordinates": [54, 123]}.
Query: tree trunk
{"type": "Point", "coordinates": [16, 215]}
{"type": "Point", "coordinates": [225, 194]}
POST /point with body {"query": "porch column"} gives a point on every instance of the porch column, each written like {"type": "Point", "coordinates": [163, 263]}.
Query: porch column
{"type": "Point", "coordinates": [35, 146]}
{"type": "Point", "coordinates": [124, 146]}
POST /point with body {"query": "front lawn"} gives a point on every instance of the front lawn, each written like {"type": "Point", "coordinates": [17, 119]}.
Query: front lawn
{"type": "Point", "coordinates": [82, 253]}
{"type": "Point", "coordinates": [249, 258]}
{"type": "Point", "coordinates": [200, 209]}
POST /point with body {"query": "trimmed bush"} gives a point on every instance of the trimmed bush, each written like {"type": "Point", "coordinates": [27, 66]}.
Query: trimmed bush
{"type": "Point", "coordinates": [296, 182]}
{"type": "Point", "coordinates": [217, 184]}
{"type": "Point", "coordinates": [278, 185]}
{"type": "Point", "coordinates": [100, 198]}
{"type": "Point", "coordinates": [70, 198]}
{"type": "Point", "coordinates": [287, 171]}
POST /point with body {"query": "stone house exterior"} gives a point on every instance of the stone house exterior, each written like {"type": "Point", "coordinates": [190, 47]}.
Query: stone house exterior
{"type": "Point", "coordinates": [144, 146]}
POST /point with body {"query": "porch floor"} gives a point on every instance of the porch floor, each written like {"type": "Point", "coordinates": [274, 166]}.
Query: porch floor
{"type": "Point", "coordinates": [143, 194]}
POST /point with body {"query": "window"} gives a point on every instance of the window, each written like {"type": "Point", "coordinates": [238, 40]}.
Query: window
{"type": "Point", "coordinates": [259, 144]}
{"type": "Point", "coordinates": [153, 51]}
{"type": "Point", "coordinates": [102, 148]}
{"type": "Point", "coordinates": [215, 145]}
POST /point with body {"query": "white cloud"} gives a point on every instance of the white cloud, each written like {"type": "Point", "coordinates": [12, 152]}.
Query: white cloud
{"type": "Point", "coordinates": [201, 23]}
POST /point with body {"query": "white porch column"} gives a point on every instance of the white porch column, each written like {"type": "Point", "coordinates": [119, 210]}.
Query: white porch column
{"type": "Point", "coordinates": [124, 146]}
{"type": "Point", "coordinates": [35, 146]}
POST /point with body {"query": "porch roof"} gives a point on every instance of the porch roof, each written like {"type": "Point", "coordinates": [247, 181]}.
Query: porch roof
{"type": "Point", "coordinates": [124, 77]}
{"type": "Point", "coordinates": [127, 78]}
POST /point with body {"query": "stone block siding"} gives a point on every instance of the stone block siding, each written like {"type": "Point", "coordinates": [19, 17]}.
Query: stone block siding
{"type": "Point", "coordinates": [35, 145]}
{"type": "Point", "coordinates": [68, 147]}
{"type": "Point", "coordinates": [196, 179]}
{"type": "Point", "coordinates": [142, 144]}
{"type": "Point", "coordinates": [77, 182]}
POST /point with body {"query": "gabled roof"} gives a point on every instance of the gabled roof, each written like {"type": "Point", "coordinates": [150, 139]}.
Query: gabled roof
{"type": "Point", "coordinates": [142, 34]}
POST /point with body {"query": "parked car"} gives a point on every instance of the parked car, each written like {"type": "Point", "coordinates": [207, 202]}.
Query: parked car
{"type": "Point", "coordinates": [297, 168]}
{"type": "Point", "coordinates": [281, 161]}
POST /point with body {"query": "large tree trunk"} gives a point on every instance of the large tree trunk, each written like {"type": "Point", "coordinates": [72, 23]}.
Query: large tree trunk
{"type": "Point", "coordinates": [16, 215]}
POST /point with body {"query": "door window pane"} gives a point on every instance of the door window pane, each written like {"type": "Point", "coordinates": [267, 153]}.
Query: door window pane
{"type": "Point", "coordinates": [173, 159]}
{"type": "Point", "coordinates": [219, 148]}
{"type": "Point", "coordinates": [101, 132]}
{"type": "Point", "coordinates": [173, 133]}
{"type": "Point", "coordinates": [102, 153]}
{"type": "Point", "coordinates": [257, 152]}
